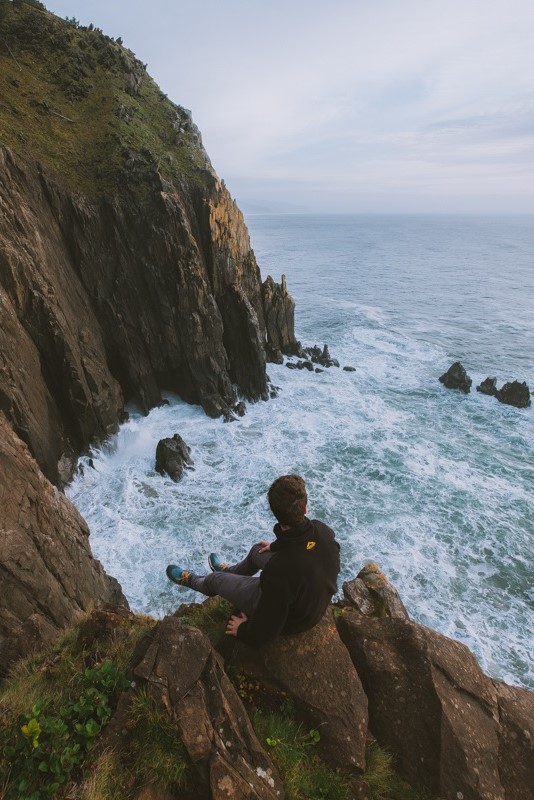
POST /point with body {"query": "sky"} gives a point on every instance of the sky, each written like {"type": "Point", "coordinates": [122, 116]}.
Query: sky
{"type": "Point", "coordinates": [356, 106]}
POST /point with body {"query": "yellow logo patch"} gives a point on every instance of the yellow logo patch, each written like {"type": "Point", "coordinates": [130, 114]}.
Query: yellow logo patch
{"type": "Point", "coordinates": [310, 545]}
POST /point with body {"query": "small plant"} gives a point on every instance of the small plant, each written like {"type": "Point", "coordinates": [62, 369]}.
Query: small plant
{"type": "Point", "coordinates": [45, 745]}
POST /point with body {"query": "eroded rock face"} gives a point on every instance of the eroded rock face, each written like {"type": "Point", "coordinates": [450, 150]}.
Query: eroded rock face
{"type": "Point", "coordinates": [172, 457]}
{"type": "Point", "coordinates": [315, 669]}
{"type": "Point", "coordinates": [48, 574]}
{"type": "Point", "coordinates": [186, 676]}
{"type": "Point", "coordinates": [514, 394]}
{"type": "Point", "coordinates": [456, 378]}
{"type": "Point", "coordinates": [451, 728]}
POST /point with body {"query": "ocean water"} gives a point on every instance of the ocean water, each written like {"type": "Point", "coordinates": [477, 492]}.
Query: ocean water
{"type": "Point", "coordinates": [434, 485]}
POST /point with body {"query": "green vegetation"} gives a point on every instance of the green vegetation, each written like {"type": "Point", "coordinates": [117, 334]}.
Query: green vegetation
{"type": "Point", "coordinates": [55, 707]}
{"type": "Point", "coordinates": [48, 745]}
{"type": "Point", "coordinates": [210, 616]}
{"type": "Point", "coordinates": [84, 107]}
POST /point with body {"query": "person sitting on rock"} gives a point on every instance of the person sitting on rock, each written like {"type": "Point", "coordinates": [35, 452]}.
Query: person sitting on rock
{"type": "Point", "coordinates": [298, 576]}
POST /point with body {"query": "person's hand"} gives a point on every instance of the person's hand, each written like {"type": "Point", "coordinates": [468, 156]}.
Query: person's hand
{"type": "Point", "coordinates": [265, 547]}
{"type": "Point", "coordinates": [234, 622]}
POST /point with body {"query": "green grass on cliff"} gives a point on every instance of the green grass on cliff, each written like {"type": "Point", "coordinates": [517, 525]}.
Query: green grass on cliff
{"type": "Point", "coordinates": [64, 104]}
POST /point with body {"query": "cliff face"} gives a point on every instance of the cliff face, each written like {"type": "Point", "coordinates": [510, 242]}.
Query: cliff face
{"type": "Point", "coordinates": [125, 266]}
{"type": "Point", "coordinates": [107, 304]}
{"type": "Point", "coordinates": [48, 575]}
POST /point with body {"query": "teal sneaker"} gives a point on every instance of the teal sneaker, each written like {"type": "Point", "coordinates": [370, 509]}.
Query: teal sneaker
{"type": "Point", "coordinates": [178, 575]}
{"type": "Point", "coordinates": [215, 564]}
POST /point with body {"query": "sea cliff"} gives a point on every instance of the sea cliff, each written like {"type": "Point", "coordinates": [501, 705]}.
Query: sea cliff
{"type": "Point", "coordinates": [125, 269]}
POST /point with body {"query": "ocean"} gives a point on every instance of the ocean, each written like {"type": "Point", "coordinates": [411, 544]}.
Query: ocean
{"type": "Point", "coordinates": [434, 485]}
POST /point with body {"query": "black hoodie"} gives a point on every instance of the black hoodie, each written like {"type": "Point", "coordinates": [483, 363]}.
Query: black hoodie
{"type": "Point", "coordinates": [297, 583]}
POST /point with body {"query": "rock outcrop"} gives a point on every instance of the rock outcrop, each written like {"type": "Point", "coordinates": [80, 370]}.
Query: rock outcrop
{"type": "Point", "coordinates": [514, 394]}
{"type": "Point", "coordinates": [449, 725]}
{"type": "Point", "coordinates": [210, 717]}
{"type": "Point", "coordinates": [373, 595]}
{"type": "Point", "coordinates": [488, 386]}
{"type": "Point", "coordinates": [172, 457]}
{"type": "Point", "coordinates": [47, 572]}
{"type": "Point", "coordinates": [279, 309]}
{"type": "Point", "coordinates": [456, 378]}
{"type": "Point", "coordinates": [315, 669]}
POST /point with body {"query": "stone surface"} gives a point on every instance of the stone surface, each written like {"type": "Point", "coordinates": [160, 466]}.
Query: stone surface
{"type": "Point", "coordinates": [514, 394]}
{"type": "Point", "coordinates": [315, 669]}
{"type": "Point", "coordinates": [185, 675]}
{"type": "Point", "coordinates": [488, 386]}
{"type": "Point", "coordinates": [372, 594]}
{"type": "Point", "coordinates": [450, 727]}
{"type": "Point", "coordinates": [48, 574]}
{"type": "Point", "coordinates": [456, 378]}
{"type": "Point", "coordinates": [172, 457]}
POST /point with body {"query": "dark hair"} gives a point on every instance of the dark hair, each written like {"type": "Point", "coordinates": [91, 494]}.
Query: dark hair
{"type": "Point", "coordinates": [288, 499]}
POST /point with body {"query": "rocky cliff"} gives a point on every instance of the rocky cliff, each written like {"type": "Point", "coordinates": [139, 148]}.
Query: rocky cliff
{"type": "Point", "coordinates": [125, 266]}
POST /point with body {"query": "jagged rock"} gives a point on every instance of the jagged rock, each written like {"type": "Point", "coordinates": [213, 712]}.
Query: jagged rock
{"type": "Point", "coordinates": [48, 574]}
{"type": "Point", "coordinates": [322, 357]}
{"type": "Point", "coordinates": [456, 378]}
{"type": "Point", "coordinates": [279, 311]}
{"type": "Point", "coordinates": [305, 365]}
{"type": "Point", "coordinates": [349, 369]}
{"type": "Point", "coordinates": [488, 386]}
{"type": "Point", "coordinates": [514, 394]}
{"type": "Point", "coordinates": [172, 457]}
{"type": "Point", "coordinates": [240, 409]}
{"type": "Point", "coordinates": [185, 675]}
{"type": "Point", "coordinates": [372, 594]}
{"type": "Point", "coordinates": [291, 365]}
{"type": "Point", "coordinates": [451, 728]}
{"type": "Point", "coordinates": [314, 668]}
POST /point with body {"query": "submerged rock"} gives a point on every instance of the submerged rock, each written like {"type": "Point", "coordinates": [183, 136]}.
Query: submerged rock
{"type": "Point", "coordinates": [514, 394]}
{"type": "Point", "coordinates": [456, 378]}
{"type": "Point", "coordinates": [172, 457]}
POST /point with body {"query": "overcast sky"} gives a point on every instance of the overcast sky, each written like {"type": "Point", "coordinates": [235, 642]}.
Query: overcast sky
{"type": "Point", "coordinates": [347, 105]}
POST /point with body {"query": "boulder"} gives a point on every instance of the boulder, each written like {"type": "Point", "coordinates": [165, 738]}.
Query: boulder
{"type": "Point", "coordinates": [488, 386]}
{"type": "Point", "coordinates": [185, 675]}
{"type": "Point", "coordinates": [321, 357]}
{"type": "Point", "coordinates": [514, 394]}
{"type": "Point", "coordinates": [456, 378]}
{"type": "Point", "coordinates": [315, 669]}
{"type": "Point", "coordinates": [172, 457]}
{"type": "Point", "coordinates": [451, 728]}
{"type": "Point", "coordinates": [349, 369]}
{"type": "Point", "coordinates": [372, 594]}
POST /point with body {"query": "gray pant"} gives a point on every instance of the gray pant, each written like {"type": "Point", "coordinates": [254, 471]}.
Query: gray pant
{"type": "Point", "coordinates": [238, 584]}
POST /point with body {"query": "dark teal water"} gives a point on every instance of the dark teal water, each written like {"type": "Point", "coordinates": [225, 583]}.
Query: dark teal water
{"type": "Point", "coordinates": [434, 485]}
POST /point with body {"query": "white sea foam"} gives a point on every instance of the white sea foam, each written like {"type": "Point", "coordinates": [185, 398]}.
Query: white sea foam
{"type": "Point", "coordinates": [436, 486]}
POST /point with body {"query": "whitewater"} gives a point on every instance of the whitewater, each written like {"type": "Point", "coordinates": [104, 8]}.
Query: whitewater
{"type": "Point", "coordinates": [434, 485]}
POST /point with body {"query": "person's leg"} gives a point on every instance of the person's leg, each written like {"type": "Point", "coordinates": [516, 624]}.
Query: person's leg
{"type": "Point", "coordinates": [252, 563]}
{"type": "Point", "coordinates": [243, 591]}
